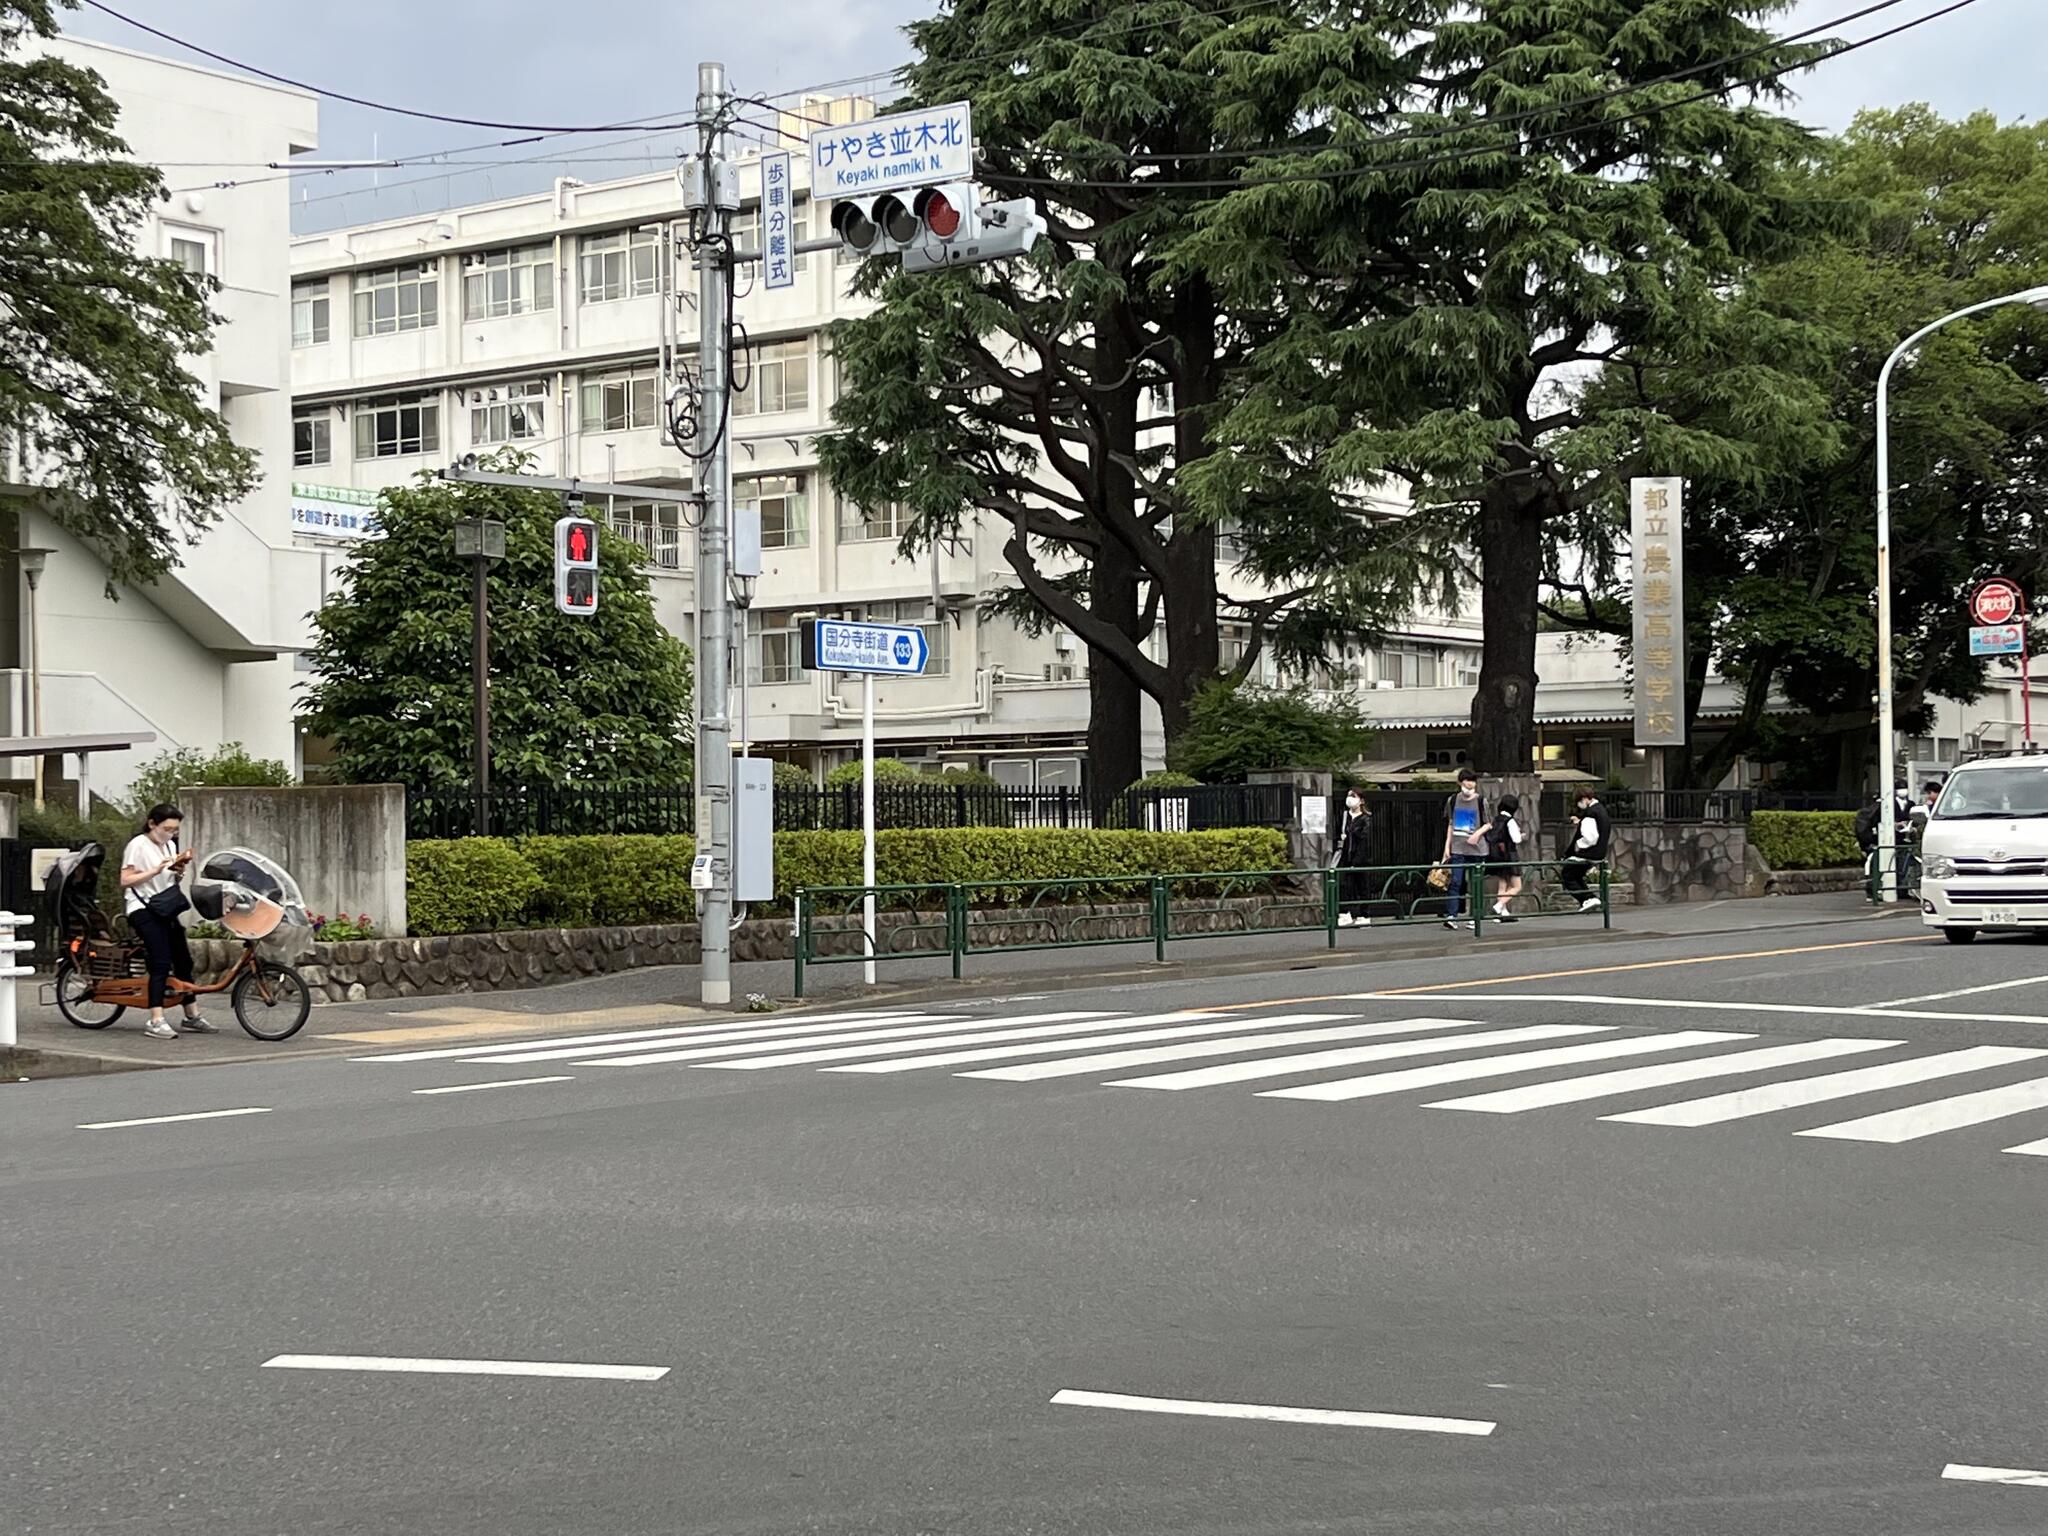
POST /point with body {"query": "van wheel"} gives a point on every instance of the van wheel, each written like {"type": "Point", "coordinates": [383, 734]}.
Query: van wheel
{"type": "Point", "coordinates": [1959, 935]}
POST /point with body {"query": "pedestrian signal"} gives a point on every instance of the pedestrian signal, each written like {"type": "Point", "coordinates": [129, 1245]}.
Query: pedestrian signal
{"type": "Point", "coordinates": [576, 565]}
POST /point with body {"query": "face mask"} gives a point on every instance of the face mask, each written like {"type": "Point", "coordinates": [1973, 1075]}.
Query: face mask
{"type": "Point", "coordinates": [1354, 803]}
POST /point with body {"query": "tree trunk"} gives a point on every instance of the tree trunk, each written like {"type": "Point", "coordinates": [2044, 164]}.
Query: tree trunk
{"type": "Point", "coordinates": [1116, 755]}
{"type": "Point", "coordinates": [1194, 645]}
{"type": "Point", "coordinates": [1194, 642]}
{"type": "Point", "coordinates": [1511, 565]}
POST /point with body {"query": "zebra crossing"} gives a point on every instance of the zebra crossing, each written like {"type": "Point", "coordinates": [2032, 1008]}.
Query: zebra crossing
{"type": "Point", "coordinates": [1338, 1057]}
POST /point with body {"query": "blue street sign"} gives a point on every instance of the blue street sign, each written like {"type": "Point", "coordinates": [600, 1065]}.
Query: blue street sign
{"type": "Point", "coordinates": [911, 149]}
{"type": "Point", "coordinates": [831, 645]}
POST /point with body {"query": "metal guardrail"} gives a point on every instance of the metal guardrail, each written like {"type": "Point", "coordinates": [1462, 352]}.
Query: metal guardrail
{"type": "Point", "coordinates": [957, 919]}
{"type": "Point", "coordinates": [1900, 870]}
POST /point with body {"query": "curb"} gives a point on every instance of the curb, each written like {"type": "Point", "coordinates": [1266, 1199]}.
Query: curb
{"type": "Point", "coordinates": [26, 1064]}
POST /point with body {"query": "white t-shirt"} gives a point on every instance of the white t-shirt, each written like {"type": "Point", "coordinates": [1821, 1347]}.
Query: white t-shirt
{"type": "Point", "coordinates": [145, 852]}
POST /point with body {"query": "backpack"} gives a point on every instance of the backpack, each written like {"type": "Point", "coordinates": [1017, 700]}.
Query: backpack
{"type": "Point", "coordinates": [1866, 826]}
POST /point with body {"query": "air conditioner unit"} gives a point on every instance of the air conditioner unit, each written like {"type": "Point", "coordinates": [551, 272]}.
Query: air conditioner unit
{"type": "Point", "coordinates": [1063, 642]}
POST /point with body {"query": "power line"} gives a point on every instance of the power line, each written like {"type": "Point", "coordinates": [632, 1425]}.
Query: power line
{"type": "Point", "coordinates": [359, 101]}
{"type": "Point", "coordinates": [1288, 178]}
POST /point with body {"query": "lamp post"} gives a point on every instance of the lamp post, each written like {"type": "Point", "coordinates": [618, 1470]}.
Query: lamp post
{"type": "Point", "coordinates": [1887, 766]}
{"type": "Point", "coordinates": [32, 562]}
{"type": "Point", "coordinates": [481, 541]}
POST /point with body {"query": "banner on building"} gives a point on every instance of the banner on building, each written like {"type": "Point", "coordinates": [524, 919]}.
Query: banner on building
{"type": "Point", "coordinates": [334, 512]}
{"type": "Point", "coordinates": [1656, 535]}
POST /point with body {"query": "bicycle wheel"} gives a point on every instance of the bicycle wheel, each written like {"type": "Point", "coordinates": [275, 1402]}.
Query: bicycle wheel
{"type": "Point", "coordinates": [272, 1001]}
{"type": "Point", "coordinates": [75, 1000]}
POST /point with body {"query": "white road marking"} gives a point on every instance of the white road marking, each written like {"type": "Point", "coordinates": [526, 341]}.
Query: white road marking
{"type": "Point", "coordinates": [1592, 1000]}
{"type": "Point", "coordinates": [1602, 1085]}
{"type": "Point", "coordinates": [1347, 1088]}
{"type": "Point", "coordinates": [510, 1082]}
{"type": "Point", "coordinates": [2031, 1149]}
{"type": "Point", "coordinates": [1178, 1032]}
{"type": "Point", "coordinates": [2017, 1477]}
{"type": "Point", "coordinates": [400, 1364]}
{"type": "Point", "coordinates": [1942, 997]}
{"type": "Point", "coordinates": [1819, 1090]}
{"type": "Point", "coordinates": [760, 1034]}
{"type": "Point", "coordinates": [1351, 1056]}
{"type": "Point", "coordinates": [1930, 1119]}
{"type": "Point", "coordinates": [1333, 1416]}
{"type": "Point", "coordinates": [205, 1114]}
{"type": "Point", "coordinates": [983, 1034]}
{"type": "Point", "coordinates": [481, 1049]}
{"type": "Point", "coordinates": [944, 1027]}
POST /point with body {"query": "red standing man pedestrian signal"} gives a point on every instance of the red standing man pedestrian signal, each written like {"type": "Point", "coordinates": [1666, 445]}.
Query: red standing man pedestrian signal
{"type": "Point", "coordinates": [576, 565]}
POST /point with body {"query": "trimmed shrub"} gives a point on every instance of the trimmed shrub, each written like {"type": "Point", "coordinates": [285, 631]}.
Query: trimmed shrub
{"type": "Point", "coordinates": [468, 885]}
{"type": "Point", "coordinates": [1806, 839]}
{"type": "Point", "coordinates": [477, 884]}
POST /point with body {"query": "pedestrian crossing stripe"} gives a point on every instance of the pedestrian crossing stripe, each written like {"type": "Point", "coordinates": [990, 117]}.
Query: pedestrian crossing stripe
{"type": "Point", "coordinates": [1102, 1044]}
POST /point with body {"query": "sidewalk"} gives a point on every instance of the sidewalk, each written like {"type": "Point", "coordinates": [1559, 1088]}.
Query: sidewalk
{"type": "Point", "coordinates": [666, 994]}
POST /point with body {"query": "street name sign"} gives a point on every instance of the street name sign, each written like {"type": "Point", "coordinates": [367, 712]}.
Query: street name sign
{"type": "Point", "coordinates": [909, 149]}
{"type": "Point", "coordinates": [832, 645]}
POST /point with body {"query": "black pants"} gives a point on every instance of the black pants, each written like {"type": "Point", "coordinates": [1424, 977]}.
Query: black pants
{"type": "Point", "coordinates": [169, 954]}
{"type": "Point", "coordinates": [1572, 876]}
{"type": "Point", "coordinates": [1354, 890]}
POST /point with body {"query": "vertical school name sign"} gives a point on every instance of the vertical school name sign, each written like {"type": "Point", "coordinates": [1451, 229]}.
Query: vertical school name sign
{"type": "Point", "coordinates": [1656, 537]}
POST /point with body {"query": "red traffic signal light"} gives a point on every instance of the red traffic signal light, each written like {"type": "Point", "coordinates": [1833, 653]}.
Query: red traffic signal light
{"type": "Point", "coordinates": [940, 216]}
{"type": "Point", "coordinates": [576, 565]}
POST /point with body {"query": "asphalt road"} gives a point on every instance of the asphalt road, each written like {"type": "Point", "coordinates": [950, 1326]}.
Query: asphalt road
{"type": "Point", "coordinates": [865, 1288]}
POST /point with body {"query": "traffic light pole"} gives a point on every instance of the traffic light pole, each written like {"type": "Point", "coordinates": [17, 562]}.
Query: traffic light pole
{"type": "Point", "coordinates": [714, 601]}
{"type": "Point", "coordinates": [480, 664]}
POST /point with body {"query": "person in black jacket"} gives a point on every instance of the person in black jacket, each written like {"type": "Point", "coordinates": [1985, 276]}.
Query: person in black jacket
{"type": "Point", "coordinates": [1592, 838]}
{"type": "Point", "coordinates": [1350, 861]}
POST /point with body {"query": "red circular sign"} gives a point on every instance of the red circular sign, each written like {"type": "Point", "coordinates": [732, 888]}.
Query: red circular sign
{"type": "Point", "coordinates": [1996, 601]}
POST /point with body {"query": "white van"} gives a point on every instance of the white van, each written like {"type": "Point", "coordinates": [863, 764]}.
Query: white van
{"type": "Point", "coordinates": [1984, 855]}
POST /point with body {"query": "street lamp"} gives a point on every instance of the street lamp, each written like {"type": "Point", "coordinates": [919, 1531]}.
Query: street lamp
{"type": "Point", "coordinates": [32, 562]}
{"type": "Point", "coordinates": [1888, 875]}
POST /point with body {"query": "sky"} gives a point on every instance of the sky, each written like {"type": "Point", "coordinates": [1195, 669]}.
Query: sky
{"type": "Point", "coordinates": [624, 60]}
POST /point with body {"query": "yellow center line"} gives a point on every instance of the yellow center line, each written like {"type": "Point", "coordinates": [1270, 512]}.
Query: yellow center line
{"type": "Point", "coordinates": [1590, 970]}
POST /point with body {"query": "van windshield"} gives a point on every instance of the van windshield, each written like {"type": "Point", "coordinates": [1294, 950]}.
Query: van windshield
{"type": "Point", "coordinates": [1995, 792]}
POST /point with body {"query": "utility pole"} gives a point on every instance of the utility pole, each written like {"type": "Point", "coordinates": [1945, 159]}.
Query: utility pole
{"type": "Point", "coordinates": [712, 194]}
{"type": "Point", "coordinates": [481, 541]}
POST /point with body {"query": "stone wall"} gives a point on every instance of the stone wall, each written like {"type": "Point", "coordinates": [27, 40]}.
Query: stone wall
{"type": "Point", "coordinates": [1676, 862]}
{"type": "Point", "coordinates": [345, 845]}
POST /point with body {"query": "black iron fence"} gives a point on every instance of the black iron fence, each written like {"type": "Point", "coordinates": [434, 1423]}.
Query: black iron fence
{"type": "Point", "coordinates": [573, 810]}
{"type": "Point", "coordinates": [1695, 805]}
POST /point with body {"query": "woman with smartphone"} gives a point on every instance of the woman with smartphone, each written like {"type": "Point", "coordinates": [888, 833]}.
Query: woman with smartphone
{"type": "Point", "coordinates": [150, 871]}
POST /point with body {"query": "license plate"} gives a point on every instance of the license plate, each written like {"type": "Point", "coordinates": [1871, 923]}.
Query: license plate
{"type": "Point", "coordinates": [2001, 917]}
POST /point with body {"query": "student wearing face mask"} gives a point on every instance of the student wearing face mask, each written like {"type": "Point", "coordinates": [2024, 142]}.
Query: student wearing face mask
{"type": "Point", "coordinates": [1350, 860]}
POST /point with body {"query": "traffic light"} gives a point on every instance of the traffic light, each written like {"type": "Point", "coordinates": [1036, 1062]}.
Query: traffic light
{"type": "Point", "coordinates": [576, 565]}
{"type": "Point", "coordinates": [985, 232]}
{"type": "Point", "coordinates": [915, 218]}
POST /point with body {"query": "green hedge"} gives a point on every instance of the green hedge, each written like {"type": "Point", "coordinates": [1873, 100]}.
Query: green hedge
{"type": "Point", "coordinates": [477, 884]}
{"type": "Point", "coordinates": [1806, 839]}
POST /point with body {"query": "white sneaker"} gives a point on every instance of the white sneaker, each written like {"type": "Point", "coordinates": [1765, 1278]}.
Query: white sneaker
{"type": "Point", "coordinates": [159, 1029]}
{"type": "Point", "coordinates": [1590, 904]}
{"type": "Point", "coordinates": [1346, 920]}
